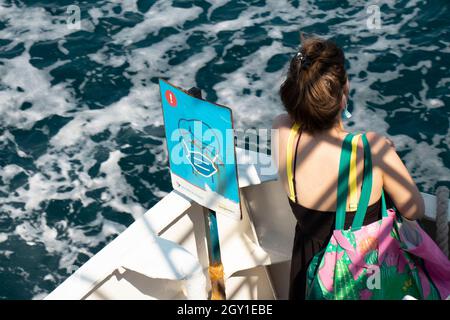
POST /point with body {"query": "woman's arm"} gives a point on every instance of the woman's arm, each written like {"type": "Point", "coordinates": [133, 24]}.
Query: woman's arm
{"type": "Point", "coordinates": [397, 181]}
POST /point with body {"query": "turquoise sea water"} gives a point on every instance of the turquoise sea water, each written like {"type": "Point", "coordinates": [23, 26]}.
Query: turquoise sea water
{"type": "Point", "coordinates": [81, 137]}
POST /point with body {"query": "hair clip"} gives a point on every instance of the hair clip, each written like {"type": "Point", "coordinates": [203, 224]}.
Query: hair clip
{"type": "Point", "coordinates": [303, 60]}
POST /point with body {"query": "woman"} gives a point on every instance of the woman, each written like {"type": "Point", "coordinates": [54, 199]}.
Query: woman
{"type": "Point", "coordinates": [315, 95]}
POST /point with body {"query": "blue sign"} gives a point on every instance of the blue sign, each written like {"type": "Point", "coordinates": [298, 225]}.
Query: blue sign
{"type": "Point", "coordinates": [200, 143]}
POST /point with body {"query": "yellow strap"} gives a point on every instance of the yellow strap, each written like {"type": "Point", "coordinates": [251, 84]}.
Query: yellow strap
{"type": "Point", "coordinates": [290, 158]}
{"type": "Point", "coordinates": [353, 203]}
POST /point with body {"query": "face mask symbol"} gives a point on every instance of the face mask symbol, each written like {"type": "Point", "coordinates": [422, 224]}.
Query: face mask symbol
{"type": "Point", "coordinates": [201, 163]}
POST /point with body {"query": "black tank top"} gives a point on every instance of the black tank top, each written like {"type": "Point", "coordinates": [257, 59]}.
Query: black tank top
{"type": "Point", "coordinates": [312, 233]}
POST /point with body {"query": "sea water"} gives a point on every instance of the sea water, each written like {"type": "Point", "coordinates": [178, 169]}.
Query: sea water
{"type": "Point", "coordinates": [81, 139]}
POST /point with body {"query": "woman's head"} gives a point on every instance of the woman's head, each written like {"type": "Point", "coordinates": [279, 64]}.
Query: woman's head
{"type": "Point", "coordinates": [316, 87]}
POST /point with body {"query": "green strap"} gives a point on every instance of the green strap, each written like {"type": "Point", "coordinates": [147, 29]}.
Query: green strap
{"type": "Point", "coordinates": [366, 187]}
{"type": "Point", "coordinates": [344, 171]}
{"type": "Point", "coordinates": [383, 205]}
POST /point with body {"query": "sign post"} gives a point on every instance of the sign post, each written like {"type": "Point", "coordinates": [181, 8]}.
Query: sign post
{"type": "Point", "coordinates": [202, 158]}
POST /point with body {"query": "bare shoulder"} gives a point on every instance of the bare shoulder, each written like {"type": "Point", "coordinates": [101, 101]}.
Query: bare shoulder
{"type": "Point", "coordinates": [375, 137]}
{"type": "Point", "coordinates": [379, 144]}
{"type": "Point", "coordinates": [282, 121]}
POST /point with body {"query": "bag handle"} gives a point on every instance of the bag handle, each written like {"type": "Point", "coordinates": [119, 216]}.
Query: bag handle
{"type": "Point", "coordinates": [384, 213]}
{"type": "Point", "coordinates": [343, 176]}
{"type": "Point", "coordinates": [349, 170]}
{"type": "Point", "coordinates": [353, 185]}
{"type": "Point", "coordinates": [366, 187]}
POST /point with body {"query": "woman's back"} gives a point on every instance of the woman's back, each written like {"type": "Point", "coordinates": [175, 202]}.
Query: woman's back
{"type": "Point", "coordinates": [317, 162]}
{"type": "Point", "coordinates": [316, 159]}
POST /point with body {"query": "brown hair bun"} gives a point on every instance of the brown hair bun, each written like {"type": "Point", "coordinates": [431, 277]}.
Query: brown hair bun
{"type": "Point", "coordinates": [315, 84]}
